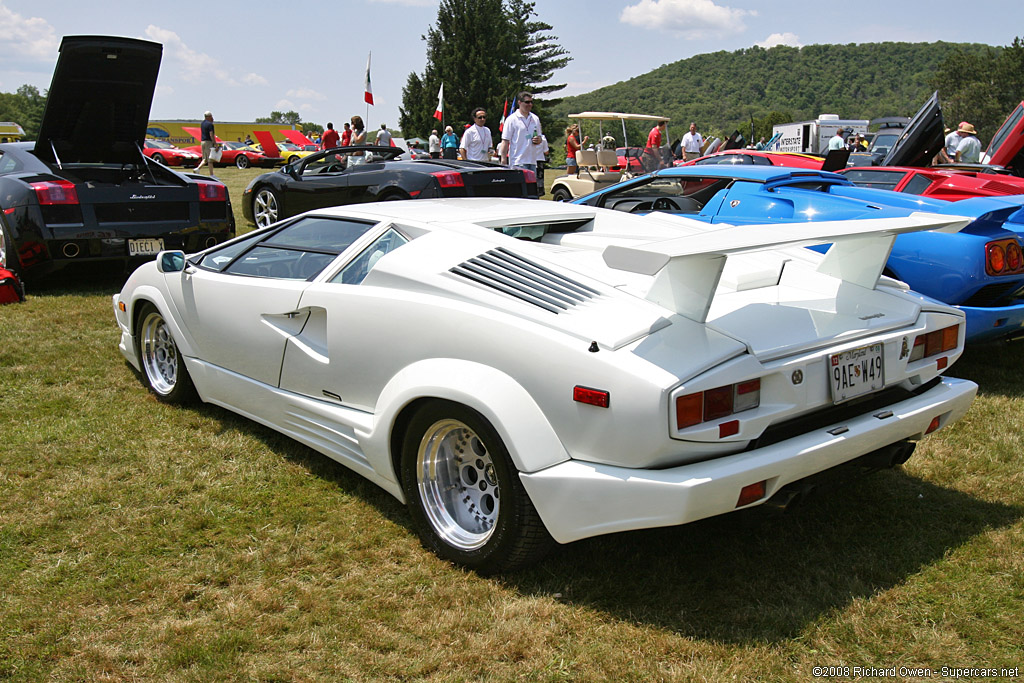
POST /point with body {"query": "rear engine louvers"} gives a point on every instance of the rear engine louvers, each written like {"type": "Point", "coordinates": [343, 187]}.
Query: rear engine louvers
{"type": "Point", "coordinates": [510, 273]}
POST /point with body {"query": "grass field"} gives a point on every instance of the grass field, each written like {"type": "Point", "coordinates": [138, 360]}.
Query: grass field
{"type": "Point", "coordinates": [140, 541]}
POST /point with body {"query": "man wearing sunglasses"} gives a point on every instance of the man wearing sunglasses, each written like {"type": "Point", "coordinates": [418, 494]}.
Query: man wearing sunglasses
{"type": "Point", "coordinates": [522, 136]}
{"type": "Point", "coordinates": [477, 143]}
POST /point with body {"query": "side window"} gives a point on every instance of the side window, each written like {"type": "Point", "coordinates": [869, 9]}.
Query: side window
{"type": "Point", "coordinates": [918, 184]}
{"type": "Point", "coordinates": [357, 270]}
{"type": "Point", "coordinates": [7, 163]}
{"type": "Point", "coordinates": [298, 251]}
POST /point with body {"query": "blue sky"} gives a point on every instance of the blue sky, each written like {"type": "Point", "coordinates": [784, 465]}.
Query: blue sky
{"type": "Point", "coordinates": [244, 58]}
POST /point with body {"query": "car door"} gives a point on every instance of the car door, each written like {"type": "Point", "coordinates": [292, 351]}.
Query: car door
{"type": "Point", "coordinates": [321, 181]}
{"type": "Point", "coordinates": [240, 303]}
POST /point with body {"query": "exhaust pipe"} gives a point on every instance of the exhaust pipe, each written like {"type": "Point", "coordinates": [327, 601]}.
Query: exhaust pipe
{"type": "Point", "coordinates": [890, 456]}
{"type": "Point", "coordinates": [71, 250]}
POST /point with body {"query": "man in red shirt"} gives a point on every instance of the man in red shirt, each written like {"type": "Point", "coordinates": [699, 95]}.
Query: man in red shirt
{"type": "Point", "coordinates": [330, 138]}
{"type": "Point", "coordinates": [652, 152]}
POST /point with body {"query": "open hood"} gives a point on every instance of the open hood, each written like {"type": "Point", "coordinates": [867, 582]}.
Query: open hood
{"type": "Point", "coordinates": [1007, 145]}
{"type": "Point", "coordinates": [97, 108]}
{"type": "Point", "coordinates": [921, 139]}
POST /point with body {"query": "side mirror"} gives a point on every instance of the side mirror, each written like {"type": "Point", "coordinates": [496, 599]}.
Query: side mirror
{"type": "Point", "coordinates": [170, 261]}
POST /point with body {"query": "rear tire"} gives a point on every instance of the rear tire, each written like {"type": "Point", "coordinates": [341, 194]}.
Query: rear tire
{"type": "Point", "coordinates": [464, 494]}
{"type": "Point", "coordinates": [560, 194]}
{"type": "Point", "coordinates": [242, 161]}
{"type": "Point", "coordinates": [158, 158]}
{"type": "Point", "coordinates": [163, 368]}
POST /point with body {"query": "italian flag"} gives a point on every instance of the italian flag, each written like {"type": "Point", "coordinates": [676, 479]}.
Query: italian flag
{"type": "Point", "coordinates": [439, 112]}
{"type": "Point", "coordinates": [368, 96]}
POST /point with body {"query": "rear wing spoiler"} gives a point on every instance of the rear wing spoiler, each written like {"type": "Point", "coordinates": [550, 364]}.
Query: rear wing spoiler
{"type": "Point", "coordinates": [687, 269]}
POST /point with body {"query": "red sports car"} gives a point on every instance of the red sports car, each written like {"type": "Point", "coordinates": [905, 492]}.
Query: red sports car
{"type": "Point", "coordinates": [241, 155]}
{"type": "Point", "coordinates": [169, 155]}
{"type": "Point", "coordinates": [753, 157]}
{"type": "Point", "coordinates": [938, 183]}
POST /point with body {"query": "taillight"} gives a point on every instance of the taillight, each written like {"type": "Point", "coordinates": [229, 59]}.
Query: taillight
{"type": "Point", "coordinates": [528, 175]}
{"type": "Point", "coordinates": [55, 192]}
{"type": "Point", "coordinates": [1003, 257]}
{"type": "Point", "coordinates": [714, 404]}
{"type": "Point", "coordinates": [212, 192]}
{"type": "Point", "coordinates": [933, 343]}
{"type": "Point", "coordinates": [449, 179]}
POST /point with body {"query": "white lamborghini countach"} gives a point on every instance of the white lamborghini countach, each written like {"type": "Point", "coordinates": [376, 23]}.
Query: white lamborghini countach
{"type": "Point", "coordinates": [521, 373]}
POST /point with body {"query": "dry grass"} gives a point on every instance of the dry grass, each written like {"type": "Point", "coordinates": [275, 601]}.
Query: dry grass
{"type": "Point", "coordinates": [145, 542]}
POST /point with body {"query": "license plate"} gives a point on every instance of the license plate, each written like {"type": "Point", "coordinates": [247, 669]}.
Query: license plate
{"type": "Point", "coordinates": [856, 372]}
{"type": "Point", "coordinates": [145, 247]}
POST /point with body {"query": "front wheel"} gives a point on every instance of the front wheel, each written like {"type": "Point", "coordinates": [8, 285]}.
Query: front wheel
{"type": "Point", "coordinates": [162, 365]}
{"type": "Point", "coordinates": [464, 494]}
{"type": "Point", "coordinates": [265, 207]}
{"type": "Point", "coordinates": [560, 194]}
{"type": "Point", "coordinates": [158, 158]}
{"type": "Point", "coordinates": [242, 161]}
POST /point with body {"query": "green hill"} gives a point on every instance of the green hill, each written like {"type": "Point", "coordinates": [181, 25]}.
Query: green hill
{"type": "Point", "coordinates": [722, 91]}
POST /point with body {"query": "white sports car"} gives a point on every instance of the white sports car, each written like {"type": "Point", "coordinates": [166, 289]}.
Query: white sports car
{"type": "Point", "coordinates": [521, 372]}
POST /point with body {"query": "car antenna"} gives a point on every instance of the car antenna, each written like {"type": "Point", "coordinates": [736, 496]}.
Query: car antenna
{"type": "Point", "coordinates": [55, 157]}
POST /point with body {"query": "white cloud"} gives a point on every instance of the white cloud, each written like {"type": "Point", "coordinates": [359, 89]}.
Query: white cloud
{"type": "Point", "coordinates": [26, 38]}
{"type": "Point", "coordinates": [254, 79]}
{"type": "Point", "coordinates": [284, 105]}
{"type": "Point", "coordinates": [692, 19]}
{"type": "Point", "coordinates": [193, 66]}
{"type": "Point", "coordinates": [306, 93]}
{"type": "Point", "coordinates": [791, 39]}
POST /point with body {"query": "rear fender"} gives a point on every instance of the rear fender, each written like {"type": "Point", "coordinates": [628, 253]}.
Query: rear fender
{"type": "Point", "coordinates": [523, 427]}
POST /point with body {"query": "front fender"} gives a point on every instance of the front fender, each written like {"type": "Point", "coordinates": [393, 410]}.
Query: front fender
{"type": "Point", "coordinates": [525, 430]}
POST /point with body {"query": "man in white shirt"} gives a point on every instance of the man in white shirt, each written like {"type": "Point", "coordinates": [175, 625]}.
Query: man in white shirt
{"type": "Point", "coordinates": [837, 141]}
{"type": "Point", "coordinates": [520, 134]}
{"type": "Point", "coordinates": [434, 145]}
{"type": "Point", "coordinates": [476, 142]}
{"type": "Point", "coordinates": [383, 136]}
{"type": "Point", "coordinates": [692, 143]}
{"type": "Point", "coordinates": [969, 149]}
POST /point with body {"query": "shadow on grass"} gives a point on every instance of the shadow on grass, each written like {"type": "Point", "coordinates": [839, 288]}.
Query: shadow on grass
{"type": "Point", "coordinates": [994, 367]}
{"type": "Point", "coordinates": [84, 280]}
{"type": "Point", "coordinates": [756, 576]}
{"type": "Point", "coordinates": [759, 576]}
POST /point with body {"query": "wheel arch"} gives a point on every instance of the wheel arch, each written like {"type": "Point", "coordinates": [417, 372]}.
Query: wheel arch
{"type": "Point", "coordinates": [530, 439]}
{"type": "Point", "coordinates": [149, 295]}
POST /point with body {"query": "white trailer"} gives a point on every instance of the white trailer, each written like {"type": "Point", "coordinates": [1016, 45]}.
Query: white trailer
{"type": "Point", "coordinates": [811, 137]}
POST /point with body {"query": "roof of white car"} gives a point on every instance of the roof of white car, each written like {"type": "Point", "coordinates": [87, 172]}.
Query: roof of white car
{"type": "Point", "coordinates": [468, 210]}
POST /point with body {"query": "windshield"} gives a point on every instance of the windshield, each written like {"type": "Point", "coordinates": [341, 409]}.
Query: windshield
{"type": "Point", "coordinates": [159, 144]}
{"type": "Point", "coordinates": [1004, 131]}
{"type": "Point", "coordinates": [884, 141]}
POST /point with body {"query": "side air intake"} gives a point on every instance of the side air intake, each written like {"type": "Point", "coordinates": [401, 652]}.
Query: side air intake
{"type": "Point", "coordinates": [510, 273]}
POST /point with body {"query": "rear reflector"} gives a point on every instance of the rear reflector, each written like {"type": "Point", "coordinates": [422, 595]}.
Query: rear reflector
{"type": "Point", "coordinates": [594, 397]}
{"type": "Point", "coordinates": [728, 428]}
{"type": "Point", "coordinates": [53, 192]}
{"type": "Point", "coordinates": [752, 493]}
{"type": "Point", "coordinates": [449, 179]}
{"type": "Point", "coordinates": [933, 425]}
{"type": "Point", "coordinates": [529, 176]}
{"type": "Point", "coordinates": [212, 192]}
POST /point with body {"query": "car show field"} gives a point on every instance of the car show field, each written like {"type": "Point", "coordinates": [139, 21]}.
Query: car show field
{"type": "Point", "coordinates": [734, 419]}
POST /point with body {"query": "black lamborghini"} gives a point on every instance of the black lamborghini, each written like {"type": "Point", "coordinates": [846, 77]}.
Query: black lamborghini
{"type": "Point", "coordinates": [352, 175]}
{"type": "Point", "coordinates": [84, 192]}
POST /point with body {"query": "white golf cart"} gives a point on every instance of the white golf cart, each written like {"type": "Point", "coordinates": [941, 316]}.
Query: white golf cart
{"type": "Point", "coordinates": [595, 163]}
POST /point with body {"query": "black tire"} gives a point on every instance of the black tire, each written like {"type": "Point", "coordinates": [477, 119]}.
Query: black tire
{"type": "Point", "coordinates": [394, 197]}
{"type": "Point", "coordinates": [266, 206]}
{"type": "Point", "coordinates": [158, 158]}
{"type": "Point", "coordinates": [163, 368]}
{"type": "Point", "coordinates": [472, 511]}
{"type": "Point", "coordinates": [560, 194]}
{"type": "Point", "coordinates": [242, 161]}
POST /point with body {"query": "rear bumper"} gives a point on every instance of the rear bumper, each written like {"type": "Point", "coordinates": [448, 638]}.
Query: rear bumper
{"type": "Point", "coordinates": [992, 323]}
{"type": "Point", "coordinates": [578, 499]}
